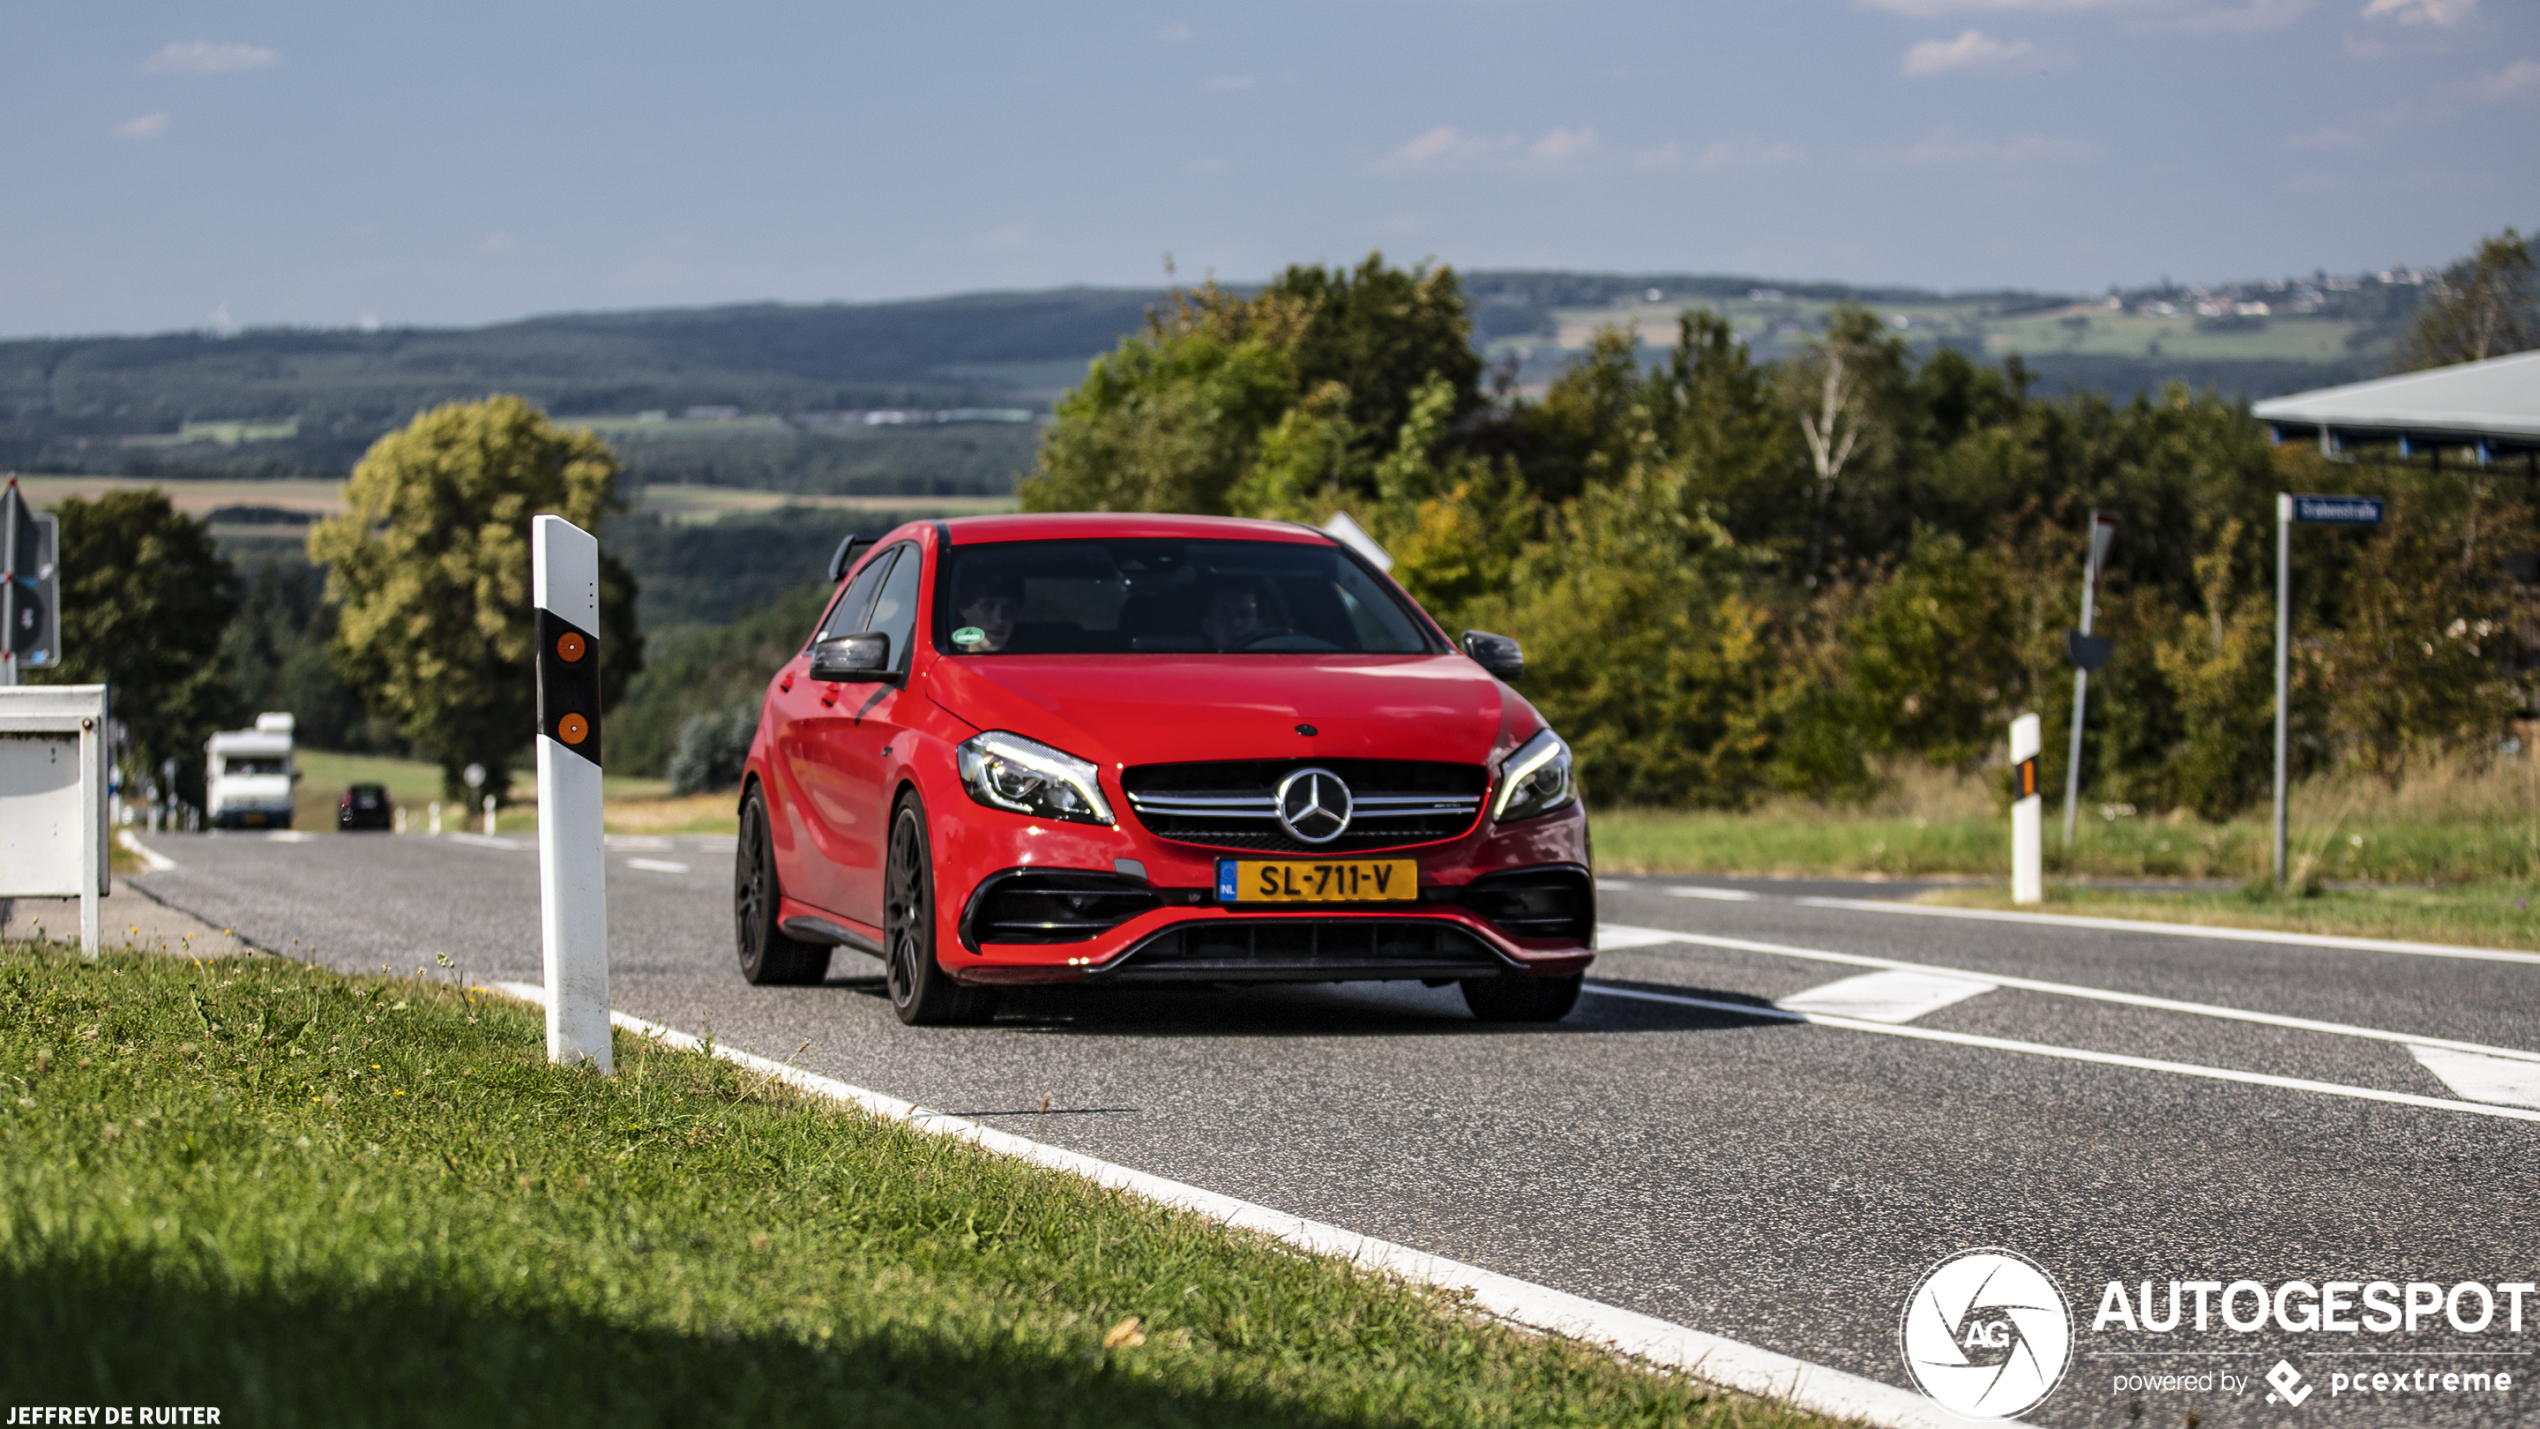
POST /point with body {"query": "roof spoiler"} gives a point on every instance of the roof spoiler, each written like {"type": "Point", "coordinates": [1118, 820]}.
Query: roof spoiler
{"type": "Point", "coordinates": [848, 550]}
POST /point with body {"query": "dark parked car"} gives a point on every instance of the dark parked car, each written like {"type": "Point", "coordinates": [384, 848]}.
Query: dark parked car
{"type": "Point", "coordinates": [364, 806]}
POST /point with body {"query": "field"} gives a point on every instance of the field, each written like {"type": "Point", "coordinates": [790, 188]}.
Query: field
{"type": "Point", "coordinates": [313, 1199]}
{"type": "Point", "coordinates": [2080, 329]}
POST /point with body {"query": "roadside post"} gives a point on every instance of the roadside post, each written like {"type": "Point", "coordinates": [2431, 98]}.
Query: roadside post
{"type": "Point", "coordinates": [2089, 652]}
{"type": "Point", "coordinates": [572, 869]}
{"type": "Point", "coordinates": [2028, 833]}
{"type": "Point", "coordinates": [2314, 510]}
{"type": "Point", "coordinates": [53, 829]}
{"type": "Point", "coordinates": [489, 816]}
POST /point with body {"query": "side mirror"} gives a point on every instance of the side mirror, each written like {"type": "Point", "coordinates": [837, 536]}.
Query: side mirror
{"type": "Point", "coordinates": [852, 657]}
{"type": "Point", "coordinates": [1495, 653]}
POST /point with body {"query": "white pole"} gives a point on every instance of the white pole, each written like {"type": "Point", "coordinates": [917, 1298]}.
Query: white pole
{"type": "Point", "coordinates": [489, 816]}
{"type": "Point", "coordinates": [92, 884]}
{"type": "Point", "coordinates": [2028, 834]}
{"type": "Point", "coordinates": [2283, 655]}
{"type": "Point", "coordinates": [436, 816]}
{"type": "Point", "coordinates": [572, 881]}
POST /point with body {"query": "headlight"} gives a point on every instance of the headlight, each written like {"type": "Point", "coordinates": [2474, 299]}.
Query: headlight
{"type": "Point", "coordinates": [1025, 776]}
{"type": "Point", "coordinates": [1535, 779]}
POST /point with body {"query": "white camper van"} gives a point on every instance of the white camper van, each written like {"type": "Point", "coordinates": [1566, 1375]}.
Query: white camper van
{"type": "Point", "coordinates": [248, 774]}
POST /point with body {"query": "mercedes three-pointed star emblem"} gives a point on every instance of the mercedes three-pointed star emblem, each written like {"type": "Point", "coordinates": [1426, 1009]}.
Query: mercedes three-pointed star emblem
{"type": "Point", "coordinates": [1314, 805]}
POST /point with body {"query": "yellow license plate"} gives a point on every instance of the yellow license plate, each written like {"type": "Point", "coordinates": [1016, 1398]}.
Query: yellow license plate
{"type": "Point", "coordinates": [1343, 880]}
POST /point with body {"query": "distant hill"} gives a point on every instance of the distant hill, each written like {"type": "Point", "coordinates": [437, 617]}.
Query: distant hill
{"type": "Point", "coordinates": [935, 397]}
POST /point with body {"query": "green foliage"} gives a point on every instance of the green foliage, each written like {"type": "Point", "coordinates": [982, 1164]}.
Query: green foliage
{"type": "Point", "coordinates": [145, 599]}
{"type": "Point", "coordinates": [279, 650]}
{"type": "Point", "coordinates": [1935, 657]}
{"type": "Point", "coordinates": [2486, 305]}
{"type": "Point", "coordinates": [703, 671]}
{"type": "Point", "coordinates": [713, 749]}
{"type": "Point", "coordinates": [430, 565]}
{"type": "Point", "coordinates": [312, 1199]}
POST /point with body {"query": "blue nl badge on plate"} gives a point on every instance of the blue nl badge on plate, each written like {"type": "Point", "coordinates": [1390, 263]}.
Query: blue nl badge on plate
{"type": "Point", "coordinates": [1225, 880]}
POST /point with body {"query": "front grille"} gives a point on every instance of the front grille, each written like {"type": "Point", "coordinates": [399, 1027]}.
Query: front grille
{"type": "Point", "coordinates": [1052, 906]}
{"type": "Point", "coordinates": [1306, 950]}
{"type": "Point", "coordinates": [1232, 804]}
{"type": "Point", "coordinates": [1535, 902]}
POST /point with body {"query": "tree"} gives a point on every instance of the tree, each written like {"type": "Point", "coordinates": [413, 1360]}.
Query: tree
{"type": "Point", "coordinates": [1175, 417]}
{"type": "Point", "coordinates": [430, 564]}
{"type": "Point", "coordinates": [2482, 307]}
{"type": "Point", "coordinates": [145, 597]}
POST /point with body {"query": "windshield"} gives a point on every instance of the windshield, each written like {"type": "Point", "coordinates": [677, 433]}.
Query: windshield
{"type": "Point", "coordinates": [240, 766]}
{"type": "Point", "coordinates": [1168, 597]}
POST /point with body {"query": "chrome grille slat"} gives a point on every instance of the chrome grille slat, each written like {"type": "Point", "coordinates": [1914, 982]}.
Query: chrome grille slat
{"type": "Point", "coordinates": [1233, 805]}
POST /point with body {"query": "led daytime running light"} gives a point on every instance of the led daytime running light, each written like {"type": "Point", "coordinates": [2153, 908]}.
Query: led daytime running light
{"type": "Point", "coordinates": [1056, 766]}
{"type": "Point", "coordinates": [1537, 752]}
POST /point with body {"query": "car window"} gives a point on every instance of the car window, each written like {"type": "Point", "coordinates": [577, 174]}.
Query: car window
{"type": "Point", "coordinates": [895, 611]}
{"type": "Point", "coordinates": [1143, 595]}
{"type": "Point", "coordinates": [847, 616]}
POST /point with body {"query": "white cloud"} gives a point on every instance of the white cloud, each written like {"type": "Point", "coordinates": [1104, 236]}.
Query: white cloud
{"type": "Point", "coordinates": [2196, 16]}
{"type": "Point", "coordinates": [205, 57]}
{"type": "Point", "coordinates": [1746, 152]}
{"type": "Point", "coordinates": [1975, 52]}
{"type": "Point", "coordinates": [2519, 78]}
{"type": "Point", "coordinates": [497, 242]}
{"type": "Point", "coordinates": [1567, 144]}
{"type": "Point", "coordinates": [1936, 9]}
{"type": "Point", "coordinates": [1175, 34]}
{"type": "Point", "coordinates": [142, 126]}
{"type": "Point", "coordinates": [1447, 149]}
{"type": "Point", "coordinates": [2443, 13]}
{"type": "Point", "coordinates": [1232, 82]}
{"type": "Point", "coordinates": [1947, 147]}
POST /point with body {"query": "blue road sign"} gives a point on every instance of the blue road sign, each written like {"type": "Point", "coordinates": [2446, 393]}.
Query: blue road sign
{"type": "Point", "coordinates": [2338, 510]}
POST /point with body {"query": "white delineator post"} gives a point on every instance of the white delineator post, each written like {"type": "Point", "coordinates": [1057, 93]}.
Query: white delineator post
{"type": "Point", "coordinates": [2283, 653]}
{"type": "Point", "coordinates": [2028, 812]}
{"type": "Point", "coordinates": [572, 887]}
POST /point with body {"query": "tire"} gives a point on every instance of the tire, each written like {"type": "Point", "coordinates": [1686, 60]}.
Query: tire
{"type": "Point", "coordinates": [922, 993]}
{"type": "Point", "coordinates": [1522, 999]}
{"type": "Point", "coordinates": [769, 958]}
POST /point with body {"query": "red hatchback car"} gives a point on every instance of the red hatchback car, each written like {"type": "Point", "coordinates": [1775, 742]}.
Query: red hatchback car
{"type": "Point", "coordinates": [1136, 748]}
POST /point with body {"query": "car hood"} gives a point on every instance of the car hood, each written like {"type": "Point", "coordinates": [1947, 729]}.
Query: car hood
{"type": "Point", "coordinates": [1170, 709]}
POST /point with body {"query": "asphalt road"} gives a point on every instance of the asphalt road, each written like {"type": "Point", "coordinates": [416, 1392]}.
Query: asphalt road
{"type": "Point", "coordinates": [1782, 1183]}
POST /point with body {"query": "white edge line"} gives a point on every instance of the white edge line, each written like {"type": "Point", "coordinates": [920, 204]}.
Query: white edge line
{"type": "Point", "coordinates": [1725, 1362]}
{"type": "Point", "coordinates": [2183, 930]}
{"type": "Point", "coordinates": [151, 859]}
{"type": "Point", "coordinates": [2094, 994]}
{"type": "Point", "coordinates": [2078, 1054]}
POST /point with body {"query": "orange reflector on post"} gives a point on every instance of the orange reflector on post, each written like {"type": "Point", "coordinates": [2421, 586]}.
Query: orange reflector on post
{"type": "Point", "coordinates": [573, 729]}
{"type": "Point", "coordinates": [570, 645]}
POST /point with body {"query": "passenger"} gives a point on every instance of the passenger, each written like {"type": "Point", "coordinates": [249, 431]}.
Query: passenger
{"type": "Point", "coordinates": [991, 610]}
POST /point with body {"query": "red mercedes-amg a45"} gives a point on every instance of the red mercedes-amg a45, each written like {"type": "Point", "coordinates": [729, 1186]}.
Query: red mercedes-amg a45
{"type": "Point", "coordinates": [1130, 748]}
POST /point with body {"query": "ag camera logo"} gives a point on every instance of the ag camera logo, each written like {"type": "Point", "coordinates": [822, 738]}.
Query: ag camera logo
{"type": "Point", "coordinates": [1987, 1334]}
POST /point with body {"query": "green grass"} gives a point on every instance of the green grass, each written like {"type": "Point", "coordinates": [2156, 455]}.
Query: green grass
{"type": "Point", "coordinates": [2488, 915]}
{"type": "Point", "coordinates": [415, 784]}
{"type": "Point", "coordinates": [312, 1199]}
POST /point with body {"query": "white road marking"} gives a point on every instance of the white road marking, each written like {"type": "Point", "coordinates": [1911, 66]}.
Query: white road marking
{"type": "Point", "coordinates": [288, 836]}
{"type": "Point", "coordinates": [490, 841]}
{"type": "Point", "coordinates": [2183, 930]}
{"type": "Point", "coordinates": [656, 865]}
{"type": "Point", "coordinates": [151, 859]}
{"type": "Point", "coordinates": [1611, 937]}
{"type": "Point", "coordinates": [622, 843]}
{"type": "Point", "coordinates": [1715, 1358]}
{"type": "Point", "coordinates": [1613, 885]}
{"type": "Point", "coordinates": [1651, 937]}
{"type": "Point", "coordinates": [1892, 996]}
{"type": "Point", "coordinates": [2077, 1054]}
{"type": "Point", "coordinates": [2483, 1078]}
{"type": "Point", "coordinates": [1724, 895]}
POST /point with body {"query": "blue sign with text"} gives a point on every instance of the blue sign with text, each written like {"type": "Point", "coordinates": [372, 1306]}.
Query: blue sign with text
{"type": "Point", "coordinates": [2338, 510]}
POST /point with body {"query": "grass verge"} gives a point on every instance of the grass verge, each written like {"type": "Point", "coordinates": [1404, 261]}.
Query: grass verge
{"type": "Point", "coordinates": [307, 1198]}
{"type": "Point", "coordinates": [2481, 915]}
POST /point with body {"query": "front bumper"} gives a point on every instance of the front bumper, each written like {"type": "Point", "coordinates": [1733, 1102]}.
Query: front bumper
{"type": "Point", "coordinates": [1042, 925]}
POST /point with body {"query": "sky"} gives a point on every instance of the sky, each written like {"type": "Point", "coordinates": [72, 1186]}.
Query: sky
{"type": "Point", "coordinates": [189, 166]}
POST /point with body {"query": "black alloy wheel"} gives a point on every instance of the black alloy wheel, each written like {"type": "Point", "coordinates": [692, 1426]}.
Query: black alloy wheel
{"type": "Point", "coordinates": [922, 993]}
{"type": "Point", "coordinates": [769, 958]}
{"type": "Point", "coordinates": [1522, 999]}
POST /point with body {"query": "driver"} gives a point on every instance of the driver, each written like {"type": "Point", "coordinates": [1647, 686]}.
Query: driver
{"type": "Point", "coordinates": [1237, 615]}
{"type": "Point", "coordinates": [991, 610]}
